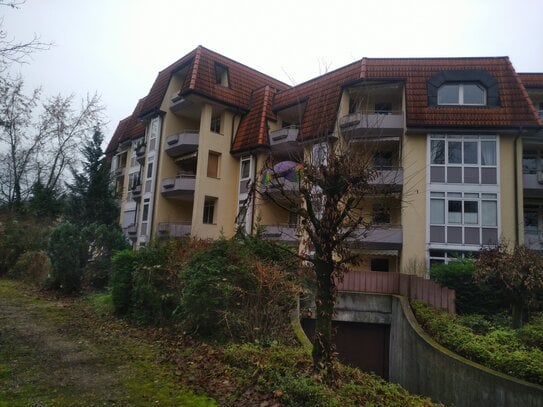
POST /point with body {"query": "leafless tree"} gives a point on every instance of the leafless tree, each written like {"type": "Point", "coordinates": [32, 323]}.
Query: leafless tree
{"type": "Point", "coordinates": [44, 148]}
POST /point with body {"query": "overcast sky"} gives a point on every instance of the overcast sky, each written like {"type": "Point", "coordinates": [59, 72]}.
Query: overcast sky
{"type": "Point", "coordinates": [116, 47]}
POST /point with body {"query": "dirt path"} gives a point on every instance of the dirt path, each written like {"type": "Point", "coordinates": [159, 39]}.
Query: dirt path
{"type": "Point", "coordinates": [59, 354]}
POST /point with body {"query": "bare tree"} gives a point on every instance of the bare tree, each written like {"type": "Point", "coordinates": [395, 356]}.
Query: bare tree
{"type": "Point", "coordinates": [41, 150]}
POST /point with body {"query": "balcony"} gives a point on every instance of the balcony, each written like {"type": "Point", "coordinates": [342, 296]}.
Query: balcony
{"type": "Point", "coordinates": [533, 184]}
{"type": "Point", "coordinates": [371, 125]}
{"type": "Point", "coordinates": [280, 189]}
{"type": "Point", "coordinates": [390, 179]}
{"type": "Point", "coordinates": [282, 232]}
{"type": "Point", "coordinates": [533, 239]}
{"type": "Point", "coordinates": [285, 139]}
{"type": "Point", "coordinates": [378, 237]}
{"type": "Point", "coordinates": [174, 229]}
{"type": "Point", "coordinates": [136, 192]}
{"type": "Point", "coordinates": [178, 187]}
{"type": "Point", "coordinates": [119, 172]}
{"type": "Point", "coordinates": [132, 231]}
{"type": "Point", "coordinates": [140, 154]}
{"type": "Point", "coordinates": [181, 143]}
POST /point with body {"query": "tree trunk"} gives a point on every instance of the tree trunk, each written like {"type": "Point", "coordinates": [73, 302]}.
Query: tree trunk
{"type": "Point", "coordinates": [324, 301]}
{"type": "Point", "coordinates": [517, 311]}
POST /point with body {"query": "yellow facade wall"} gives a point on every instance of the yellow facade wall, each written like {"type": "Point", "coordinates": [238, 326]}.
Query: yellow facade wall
{"type": "Point", "coordinates": [414, 204]}
{"type": "Point", "coordinates": [507, 187]}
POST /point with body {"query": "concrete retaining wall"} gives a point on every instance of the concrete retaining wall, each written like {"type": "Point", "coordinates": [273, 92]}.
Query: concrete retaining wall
{"type": "Point", "coordinates": [422, 366]}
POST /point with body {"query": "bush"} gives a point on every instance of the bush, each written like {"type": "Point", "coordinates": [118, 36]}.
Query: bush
{"type": "Point", "coordinates": [155, 289]}
{"type": "Point", "coordinates": [499, 349]}
{"type": "Point", "coordinates": [471, 297]}
{"type": "Point", "coordinates": [229, 291]}
{"type": "Point", "coordinates": [18, 236]}
{"type": "Point", "coordinates": [68, 251]}
{"type": "Point", "coordinates": [33, 267]}
{"type": "Point", "coordinates": [532, 334]}
{"type": "Point", "coordinates": [122, 267]}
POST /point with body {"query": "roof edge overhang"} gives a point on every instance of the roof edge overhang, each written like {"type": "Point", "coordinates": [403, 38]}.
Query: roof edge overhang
{"type": "Point", "coordinates": [465, 130]}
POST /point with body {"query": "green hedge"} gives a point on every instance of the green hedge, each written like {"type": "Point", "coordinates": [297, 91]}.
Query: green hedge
{"type": "Point", "coordinates": [471, 297]}
{"type": "Point", "coordinates": [501, 349]}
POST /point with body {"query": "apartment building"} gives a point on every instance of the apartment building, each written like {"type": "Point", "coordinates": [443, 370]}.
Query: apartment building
{"type": "Point", "coordinates": [457, 140]}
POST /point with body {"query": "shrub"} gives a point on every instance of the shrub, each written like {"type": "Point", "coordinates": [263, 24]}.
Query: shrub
{"type": "Point", "coordinates": [32, 267]}
{"type": "Point", "coordinates": [230, 291]}
{"type": "Point", "coordinates": [122, 267]}
{"type": "Point", "coordinates": [155, 290]}
{"type": "Point", "coordinates": [471, 297]}
{"type": "Point", "coordinates": [18, 236]}
{"type": "Point", "coordinates": [532, 334]}
{"type": "Point", "coordinates": [499, 349]}
{"type": "Point", "coordinates": [68, 251]}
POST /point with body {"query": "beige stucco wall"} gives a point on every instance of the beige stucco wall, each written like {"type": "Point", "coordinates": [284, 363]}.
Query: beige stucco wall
{"type": "Point", "coordinates": [507, 187]}
{"type": "Point", "coordinates": [413, 202]}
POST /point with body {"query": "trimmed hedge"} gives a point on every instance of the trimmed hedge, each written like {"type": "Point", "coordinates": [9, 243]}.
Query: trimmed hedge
{"type": "Point", "coordinates": [500, 349]}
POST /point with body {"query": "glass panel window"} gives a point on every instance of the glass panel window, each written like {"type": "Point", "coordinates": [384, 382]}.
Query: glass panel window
{"type": "Point", "coordinates": [215, 126]}
{"type": "Point", "coordinates": [381, 214]}
{"type": "Point", "coordinates": [209, 210]}
{"type": "Point", "coordinates": [455, 152]}
{"type": "Point", "coordinates": [473, 94]}
{"type": "Point", "coordinates": [489, 213]}
{"type": "Point", "coordinates": [448, 95]}
{"type": "Point", "coordinates": [437, 211]}
{"type": "Point", "coordinates": [530, 222]}
{"type": "Point", "coordinates": [470, 152]}
{"type": "Point", "coordinates": [471, 213]}
{"type": "Point", "coordinates": [438, 151]}
{"type": "Point", "coordinates": [488, 152]}
{"type": "Point", "coordinates": [455, 211]}
{"type": "Point", "coordinates": [245, 168]}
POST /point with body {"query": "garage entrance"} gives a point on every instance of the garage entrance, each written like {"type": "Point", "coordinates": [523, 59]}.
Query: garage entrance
{"type": "Point", "coordinates": [361, 345]}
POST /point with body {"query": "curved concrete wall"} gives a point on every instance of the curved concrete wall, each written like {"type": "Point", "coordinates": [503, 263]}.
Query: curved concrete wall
{"type": "Point", "coordinates": [422, 366]}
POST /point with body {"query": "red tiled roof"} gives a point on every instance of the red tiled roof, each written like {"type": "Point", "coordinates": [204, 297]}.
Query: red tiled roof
{"type": "Point", "coordinates": [117, 135]}
{"type": "Point", "coordinates": [515, 107]}
{"type": "Point", "coordinates": [322, 97]}
{"type": "Point", "coordinates": [323, 94]}
{"type": "Point", "coordinates": [531, 79]}
{"type": "Point", "coordinates": [253, 128]}
{"type": "Point", "coordinates": [201, 80]}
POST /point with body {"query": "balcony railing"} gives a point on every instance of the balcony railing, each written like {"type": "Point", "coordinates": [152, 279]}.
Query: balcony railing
{"type": "Point", "coordinates": [281, 232]}
{"type": "Point", "coordinates": [136, 192]}
{"type": "Point", "coordinates": [119, 172]}
{"type": "Point", "coordinates": [280, 189]}
{"type": "Point", "coordinates": [533, 183]}
{"type": "Point", "coordinates": [132, 231]}
{"type": "Point", "coordinates": [182, 185]}
{"type": "Point", "coordinates": [378, 237]}
{"type": "Point", "coordinates": [174, 229]}
{"type": "Point", "coordinates": [533, 239]}
{"type": "Point", "coordinates": [184, 142]}
{"type": "Point", "coordinates": [391, 177]}
{"type": "Point", "coordinates": [140, 154]}
{"type": "Point", "coordinates": [360, 125]}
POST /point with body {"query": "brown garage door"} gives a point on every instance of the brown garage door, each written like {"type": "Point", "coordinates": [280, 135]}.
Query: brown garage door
{"type": "Point", "coordinates": [364, 346]}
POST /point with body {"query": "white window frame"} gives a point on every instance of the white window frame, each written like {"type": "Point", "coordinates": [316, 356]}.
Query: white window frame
{"type": "Point", "coordinates": [461, 94]}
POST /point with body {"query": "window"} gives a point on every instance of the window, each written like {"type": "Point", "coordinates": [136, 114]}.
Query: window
{"type": "Point", "coordinates": [213, 161]}
{"type": "Point", "coordinates": [133, 180]}
{"type": "Point", "coordinates": [145, 214]}
{"type": "Point", "coordinates": [382, 160]}
{"type": "Point", "coordinates": [383, 108]}
{"type": "Point", "coordinates": [216, 124]}
{"type": "Point", "coordinates": [531, 217]}
{"type": "Point", "coordinates": [380, 214]}
{"type": "Point", "coordinates": [463, 218]}
{"type": "Point", "coordinates": [463, 159]}
{"type": "Point", "coordinates": [150, 170]}
{"type": "Point", "coordinates": [445, 257]}
{"type": "Point", "coordinates": [245, 168]}
{"type": "Point", "coordinates": [153, 133]}
{"type": "Point", "coordinates": [209, 210]}
{"type": "Point", "coordinates": [221, 75]}
{"type": "Point", "coordinates": [461, 94]}
{"type": "Point", "coordinates": [379, 265]}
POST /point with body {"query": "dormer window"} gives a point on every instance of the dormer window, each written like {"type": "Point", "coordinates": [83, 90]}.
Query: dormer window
{"type": "Point", "coordinates": [221, 75]}
{"type": "Point", "coordinates": [471, 94]}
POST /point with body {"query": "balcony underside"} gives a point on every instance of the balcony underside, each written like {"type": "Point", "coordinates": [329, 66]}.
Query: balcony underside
{"type": "Point", "coordinates": [360, 125]}
{"type": "Point", "coordinates": [283, 233]}
{"type": "Point", "coordinates": [377, 238]}
{"type": "Point", "coordinates": [182, 143]}
{"type": "Point", "coordinates": [179, 188]}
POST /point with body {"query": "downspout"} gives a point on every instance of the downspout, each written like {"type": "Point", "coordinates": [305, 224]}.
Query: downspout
{"type": "Point", "coordinates": [517, 232]}
{"type": "Point", "coordinates": [253, 204]}
{"type": "Point", "coordinates": [158, 152]}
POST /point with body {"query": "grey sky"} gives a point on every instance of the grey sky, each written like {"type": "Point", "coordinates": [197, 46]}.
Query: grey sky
{"type": "Point", "coordinates": [116, 47]}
